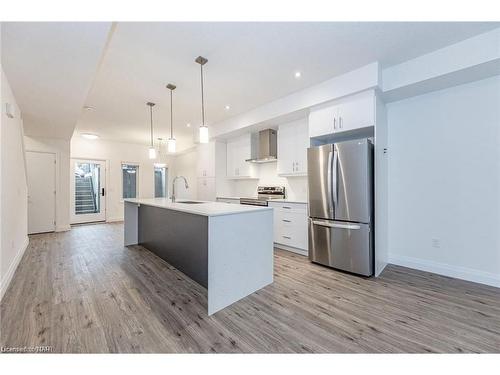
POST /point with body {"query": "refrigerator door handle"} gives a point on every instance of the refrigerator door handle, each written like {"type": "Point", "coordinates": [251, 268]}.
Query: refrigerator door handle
{"type": "Point", "coordinates": [336, 225]}
{"type": "Point", "coordinates": [334, 183]}
{"type": "Point", "coordinates": [329, 182]}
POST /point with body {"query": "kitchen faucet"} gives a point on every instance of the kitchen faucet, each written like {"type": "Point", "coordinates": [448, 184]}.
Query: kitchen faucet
{"type": "Point", "coordinates": [173, 186]}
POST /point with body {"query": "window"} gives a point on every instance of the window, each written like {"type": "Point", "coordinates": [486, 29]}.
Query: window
{"type": "Point", "coordinates": [129, 180]}
{"type": "Point", "coordinates": [160, 182]}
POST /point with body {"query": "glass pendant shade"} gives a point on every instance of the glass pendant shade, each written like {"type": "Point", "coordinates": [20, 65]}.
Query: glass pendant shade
{"type": "Point", "coordinates": [152, 153]}
{"type": "Point", "coordinates": [203, 134]}
{"type": "Point", "coordinates": [171, 145]}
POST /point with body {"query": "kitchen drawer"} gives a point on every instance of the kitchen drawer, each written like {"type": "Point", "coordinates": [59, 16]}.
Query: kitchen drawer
{"type": "Point", "coordinates": [289, 207]}
{"type": "Point", "coordinates": [292, 218]}
{"type": "Point", "coordinates": [290, 224]}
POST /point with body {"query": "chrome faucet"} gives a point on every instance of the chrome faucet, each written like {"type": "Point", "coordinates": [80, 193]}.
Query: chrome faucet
{"type": "Point", "coordinates": [173, 186]}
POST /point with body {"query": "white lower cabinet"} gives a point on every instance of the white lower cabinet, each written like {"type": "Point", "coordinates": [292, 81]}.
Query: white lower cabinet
{"type": "Point", "coordinates": [290, 226]}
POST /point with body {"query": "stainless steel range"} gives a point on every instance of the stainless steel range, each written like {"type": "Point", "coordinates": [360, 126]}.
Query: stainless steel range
{"type": "Point", "coordinates": [264, 194]}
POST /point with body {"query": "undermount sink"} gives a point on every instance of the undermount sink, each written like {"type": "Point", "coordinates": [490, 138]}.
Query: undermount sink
{"type": "Point", "coordinates": [189, 202]}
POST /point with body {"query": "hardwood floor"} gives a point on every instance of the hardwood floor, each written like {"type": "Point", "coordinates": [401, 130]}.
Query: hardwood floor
{"type": "Point", "coordinates": [82, 291]}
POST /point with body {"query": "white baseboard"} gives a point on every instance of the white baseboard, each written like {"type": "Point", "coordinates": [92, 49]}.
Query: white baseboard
{"type": "Point", "coordinates": [63, 228]}
{"type": "Point", "coordinates": [12, 268]}
{"type": "Point", "coordinates": [292, 249]}
{"type": "Point", "coordinates": [444, 269]}
{"type": "Point", "coordinates": [114, 219]}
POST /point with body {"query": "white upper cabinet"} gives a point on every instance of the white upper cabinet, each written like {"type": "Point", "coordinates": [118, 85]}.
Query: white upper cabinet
{"type": "Point", "coordinates": [206, 159]}
{"type": "Point", "coordinates": [353, 112]}
{"type": "Point", "coordinates": [293, 141]}
{"type": "Point", "coordinates": [239, 150]}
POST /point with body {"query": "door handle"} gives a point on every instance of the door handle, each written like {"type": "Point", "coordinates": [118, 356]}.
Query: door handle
{"type": "Point", "coordinates": [336, 225]}
{"type": "Point", "coordinates": [329, 181]}
{"type": "Point", "coordinates": [334, 180]}
{"type": "Point", "coordinates": [102, 192]}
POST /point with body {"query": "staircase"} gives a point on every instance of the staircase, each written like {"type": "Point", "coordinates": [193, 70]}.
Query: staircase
{"type": "Point", "coordinates": [84, 197]}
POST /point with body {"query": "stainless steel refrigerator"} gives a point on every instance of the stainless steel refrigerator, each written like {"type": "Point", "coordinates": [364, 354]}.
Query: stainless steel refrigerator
{"type": "Point", "coordinates": [341, 213]}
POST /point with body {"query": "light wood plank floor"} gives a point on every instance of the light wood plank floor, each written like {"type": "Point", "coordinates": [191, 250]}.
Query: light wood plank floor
{"type": "Point", "coordinates": [82, 291]}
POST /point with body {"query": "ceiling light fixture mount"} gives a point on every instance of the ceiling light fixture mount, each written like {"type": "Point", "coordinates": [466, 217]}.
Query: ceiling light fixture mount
{"type": "Point", "coordinates": [171, 141]}
{"type": "Point", "coordinates": [203, 128]}
{"type": "Point", "coordinates": [298, 74]}
{"type": "Point", "coordinates": [89, 136]}
{"type": "Point", "coordinates": [152, 150]}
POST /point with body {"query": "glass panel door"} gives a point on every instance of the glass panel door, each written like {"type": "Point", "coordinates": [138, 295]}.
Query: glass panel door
{"type": "Point", "coordinates": [88, 202]}
{"type": "Point", "coordinates": [160, 182]}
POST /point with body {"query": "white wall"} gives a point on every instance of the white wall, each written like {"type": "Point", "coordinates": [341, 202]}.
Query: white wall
{"type": "Point", "coordinates": [14, 190]}
{"type": "Point", "coordinates": [116, 153]}
{"type": "Point", "coordinates": [444, 181]}
{"type": "Point", "coordinates": [185, 165]}
{"type": "Point", "coordinates": [61, 148]}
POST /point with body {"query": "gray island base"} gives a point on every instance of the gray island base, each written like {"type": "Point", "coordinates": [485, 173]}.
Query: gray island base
{"type": "Point", "coordinates": [226, 248]}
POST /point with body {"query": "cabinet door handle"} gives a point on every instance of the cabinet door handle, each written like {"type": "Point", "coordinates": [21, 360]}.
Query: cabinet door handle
{"type": "Point", "coordinates": [289, 208]}
{"type": "Point", "coordinates": [335, 123]}
{"type": "Point", "coordinates": [286, 221]}
{"type": "Point", "coordinates": [340, 122]}
{"type": "Point", "coordinates": [289, 238]}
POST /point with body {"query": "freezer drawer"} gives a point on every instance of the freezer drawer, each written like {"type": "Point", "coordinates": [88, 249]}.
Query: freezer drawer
{"type": "Point", "coordinates": [342, 245]}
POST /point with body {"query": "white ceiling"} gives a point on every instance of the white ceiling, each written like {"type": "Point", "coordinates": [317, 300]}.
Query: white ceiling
{"type": "Point", "coordinates": [249, 64]}
{"type": "Point", "coordinates": [50, 67]}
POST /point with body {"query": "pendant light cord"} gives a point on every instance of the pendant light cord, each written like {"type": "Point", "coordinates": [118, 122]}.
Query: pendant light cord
{"type": "Point", "coordinates": [151, 112]}
{"type": "Point", "coordinates": [202, 99]}
{"type": "Point", "coordinates": [171, 117]}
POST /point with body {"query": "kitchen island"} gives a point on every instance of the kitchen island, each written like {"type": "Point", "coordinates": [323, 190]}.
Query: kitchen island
{"type": "Point", "coordinates": [226, 248]}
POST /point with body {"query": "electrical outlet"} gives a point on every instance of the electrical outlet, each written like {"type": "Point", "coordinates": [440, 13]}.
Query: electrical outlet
{"type": "Point", "coordinates": [436, 243]}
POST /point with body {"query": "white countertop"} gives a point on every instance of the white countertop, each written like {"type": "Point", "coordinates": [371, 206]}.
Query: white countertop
{"type": "Point", "coordinates": [284, 200]}
{"type": "Point", "coordinates": [204, 209]}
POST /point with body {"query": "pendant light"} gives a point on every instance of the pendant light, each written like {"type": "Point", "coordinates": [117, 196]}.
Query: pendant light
{"type": "Point", "coordinates": [203, 128]}
{"type": "Point", "coordinates": [152, 150]}
{"type": "Point", "coordinates": [171, 140]}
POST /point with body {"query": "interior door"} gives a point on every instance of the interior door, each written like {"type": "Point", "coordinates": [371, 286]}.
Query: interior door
{"type": "Point", "coordinates": [41, 170]}
{"type": "Point", "coordinates": [88, 190]}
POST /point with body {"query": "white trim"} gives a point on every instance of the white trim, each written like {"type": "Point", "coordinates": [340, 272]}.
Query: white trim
{"type": "Point", "coordinates": [292, 249]}
{"type": "Point", "coordinates": [62, 228]}
{"type": "Point", "coordinates": [6, 280]}
{"type": "Point", "coordinates": [444, 269]}
{"type": "Point", "coordinates": [114, 219]}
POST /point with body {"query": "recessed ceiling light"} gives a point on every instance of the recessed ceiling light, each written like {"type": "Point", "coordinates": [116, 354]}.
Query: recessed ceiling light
{"type": "Point", "coordinates": [188, 125]}
{"type": "Point", "coordinates": [89, 136]}
{"type": "Point", "coordinates": [88, 108]}
{"type": "Point", "coordinates": [298, 74]}
{"type": "Point", "coordinates": [227, 108]}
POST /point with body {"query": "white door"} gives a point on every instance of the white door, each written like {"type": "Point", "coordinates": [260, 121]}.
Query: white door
{"type": "Point", "coordinates": [88, 189]}
{"type": "Point", "coordinates": [41, 168]}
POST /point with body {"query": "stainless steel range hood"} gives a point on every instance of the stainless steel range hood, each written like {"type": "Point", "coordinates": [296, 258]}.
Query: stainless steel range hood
{"type": "Point", "coordinates": [266, 149]}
